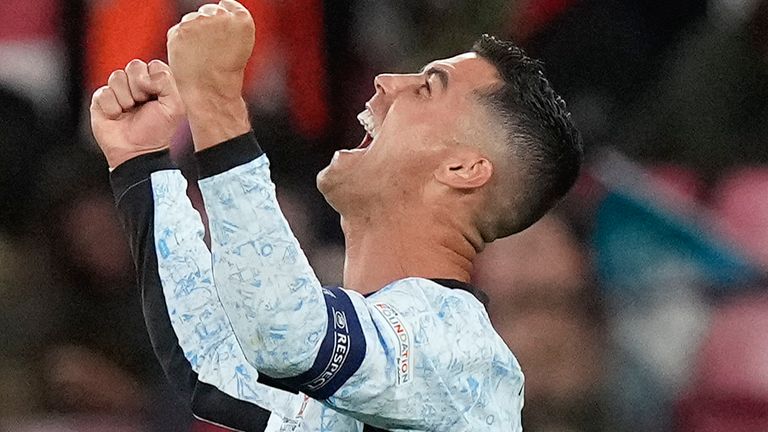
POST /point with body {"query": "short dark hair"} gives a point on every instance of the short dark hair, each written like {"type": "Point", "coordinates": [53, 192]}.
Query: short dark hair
{"type": "Point", "coordinates": [538, 129]}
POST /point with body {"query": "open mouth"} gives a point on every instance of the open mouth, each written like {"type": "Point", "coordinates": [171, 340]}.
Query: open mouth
{"type": "Point", "coordinates": [367, 140]}
{"type": "Point", "coordinates": [366, 120]}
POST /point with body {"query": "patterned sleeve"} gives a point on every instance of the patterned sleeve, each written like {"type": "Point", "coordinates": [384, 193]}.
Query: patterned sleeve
{"type": "Point", "coordinates": [303, 336]}
{"type": "Point", "coordinates": [188, 329]}
{"type": "Point", "coordinates": [399, 360]}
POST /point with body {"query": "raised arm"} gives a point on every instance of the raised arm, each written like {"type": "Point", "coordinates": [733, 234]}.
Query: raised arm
{"type": "Point", "coordinates": [385, 364]}
{"type": "Point", "coordinates": [286, 323]}
{"type": "Point", "coordinates": [272, 297]}
{"type": "Point", "coordinates": [133, 119]}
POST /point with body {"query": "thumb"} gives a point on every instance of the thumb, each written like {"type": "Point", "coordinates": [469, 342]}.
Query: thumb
{"type": "Point", "coordinates": [162, 84]}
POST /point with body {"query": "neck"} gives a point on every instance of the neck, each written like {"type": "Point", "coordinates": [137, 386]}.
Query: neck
{"type": "Point", "coordinates": [380, 252]}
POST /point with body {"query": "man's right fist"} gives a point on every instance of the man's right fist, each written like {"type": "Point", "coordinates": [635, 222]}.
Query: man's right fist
{"type": "Point", "coordinates": [208, 50]}
{"type": "Point", "coordinates": [137, 112]}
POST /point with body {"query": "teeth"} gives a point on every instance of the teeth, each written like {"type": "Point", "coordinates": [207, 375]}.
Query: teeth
{"type": "Point", "coordinates": [366, 120]}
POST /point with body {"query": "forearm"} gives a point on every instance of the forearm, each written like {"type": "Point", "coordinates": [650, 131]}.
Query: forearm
{"type": "Point", "coordinates": [270, 292]}
{"type": "Point", "coordinates": [187, 326]}
{"type": "Point", "coordinates": [214, 117]}
{"type": "Point", "coordinates": [185, 272]}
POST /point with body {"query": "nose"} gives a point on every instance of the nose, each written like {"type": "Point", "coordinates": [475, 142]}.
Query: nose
{"type": "Point", "coordinates": [392, 84]}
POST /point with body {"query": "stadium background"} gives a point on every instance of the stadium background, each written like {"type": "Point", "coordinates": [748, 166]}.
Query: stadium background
{"type": "Point", "coordinates": [638, 305]}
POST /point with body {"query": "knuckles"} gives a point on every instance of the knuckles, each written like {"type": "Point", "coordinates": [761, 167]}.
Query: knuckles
{"type": "Point", "coordinates": [100, 103]}
{"type": "Point", "coordinates": [171, 33]}
{"type": "Point", "coordinates": [162, 76]}
{"type": "Point", "coordinates": [115, 76]}
{"type": "Point", "coordinates": [98, 95]}
{"type": "Point", "coordinates": [135, 64]}
{"type": "Point", "coordinates": [157, 66]}
{"type": "Point", "coordinates": [227, 24]}
{"type": "Point", "coordinates": [222, 20]}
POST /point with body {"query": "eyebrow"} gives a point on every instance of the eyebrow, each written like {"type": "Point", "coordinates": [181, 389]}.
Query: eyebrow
{"type": "Point", "coordinates": [441, 73]}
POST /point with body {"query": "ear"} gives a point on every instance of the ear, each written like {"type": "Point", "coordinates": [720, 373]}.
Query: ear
{"type": "Point", "coordinates": [467, 171]}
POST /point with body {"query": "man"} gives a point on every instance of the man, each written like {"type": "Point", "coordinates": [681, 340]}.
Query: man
{"type": "Point", "coordinates": [473, 148]}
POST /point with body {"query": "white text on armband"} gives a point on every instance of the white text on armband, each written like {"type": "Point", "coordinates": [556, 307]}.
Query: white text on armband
{"type": "Point", "coordinates": [404, 369]}
{"type": "Point", "coordinates": [341, 339]}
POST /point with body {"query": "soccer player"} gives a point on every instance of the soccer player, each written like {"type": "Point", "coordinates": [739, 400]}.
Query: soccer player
{"type": "Point", "coordinates": [470, 149]}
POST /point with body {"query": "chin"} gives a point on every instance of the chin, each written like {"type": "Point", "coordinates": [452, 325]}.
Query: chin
{"type": "Point", "coordinates": [328, 184]}
{"type": "Point", "coordinates": [333, 176]}
{"type": "Point", "coordinates": [322, 180]}
{"type": "Point", "coordinates": [342, 192]}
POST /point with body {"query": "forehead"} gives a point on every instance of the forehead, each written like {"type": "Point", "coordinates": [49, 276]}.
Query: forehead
{"type": "Point", "coordinates": [468, 70]}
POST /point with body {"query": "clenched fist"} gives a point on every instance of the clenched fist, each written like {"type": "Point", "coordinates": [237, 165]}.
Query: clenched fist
{"type": "Point", "coordinates": [137, 112]}
{"type": "Point", "coordinates": [207, 52]}
{"type": "Point", "coordinates": [208, 49]}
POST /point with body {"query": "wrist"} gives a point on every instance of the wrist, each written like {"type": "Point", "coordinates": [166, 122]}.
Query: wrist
{"type": "Point", "coordinates": [117, 158]}
{"type": "Point", "coordinates": [208, 86]}
{"type": "Point", "coordinates": [214, 118]}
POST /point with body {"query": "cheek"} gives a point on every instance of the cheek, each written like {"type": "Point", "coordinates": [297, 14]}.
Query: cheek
{"type": "Point", "coordinates": [410, 137]}
{"type": "Point", "coordinates": [412, 114]}
{"type": "Point", "coordinates": [397, 154]}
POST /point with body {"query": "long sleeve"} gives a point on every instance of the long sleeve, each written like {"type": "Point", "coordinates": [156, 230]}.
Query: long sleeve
{"type": "Point", "coordinates": [289, 327]}
{"type": "Point", "coordinates": [414, 356]}
{"type": "Point", "coordinates": [187, 326]}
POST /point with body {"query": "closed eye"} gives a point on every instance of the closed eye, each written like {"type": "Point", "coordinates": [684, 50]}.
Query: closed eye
{"type": "Point", "coordinates": [428, 73]}
{"type": "Point", "coordinates": [441, 74]}
{"type": "Point", "coordinates": [425, 89]}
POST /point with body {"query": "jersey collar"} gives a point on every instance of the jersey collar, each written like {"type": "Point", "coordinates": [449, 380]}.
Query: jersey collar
{"type": "Point", "coordinates": [457, 284]}
{"type": "Point", "coordinates": [481, 296]}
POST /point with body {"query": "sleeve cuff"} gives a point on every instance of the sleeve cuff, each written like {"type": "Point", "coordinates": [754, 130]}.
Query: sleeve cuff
{"type": "Point", "coordinates": [137, 170]}
{"type": "Point", "coordinates": [227, 155]}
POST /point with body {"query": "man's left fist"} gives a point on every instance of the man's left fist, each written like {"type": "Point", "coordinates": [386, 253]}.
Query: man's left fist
{"type": "Point", "coordinates": [208, 50]}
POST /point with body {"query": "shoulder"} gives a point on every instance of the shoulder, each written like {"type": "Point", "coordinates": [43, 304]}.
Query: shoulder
{"type": "Point", "coordinates": [427, 292]}
{"type": "Point", "coordinates": [450, 321]}
{"type": "Point", "coordinates": [428, 299]}
{"type": "Point", "coordinates": [451, 334]}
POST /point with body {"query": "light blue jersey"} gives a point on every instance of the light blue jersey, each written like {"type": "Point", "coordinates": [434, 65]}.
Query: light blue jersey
{"type": "Point", "coordinates": [252, 319]}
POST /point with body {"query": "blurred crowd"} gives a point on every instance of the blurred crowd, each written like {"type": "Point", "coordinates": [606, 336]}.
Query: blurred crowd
{"type": "Point", "coordinates": [639, 304]}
